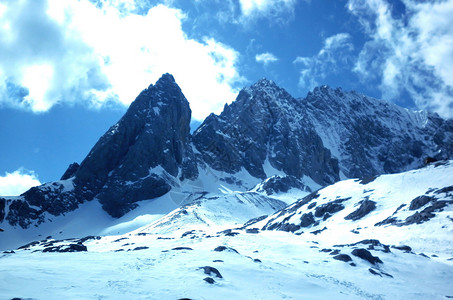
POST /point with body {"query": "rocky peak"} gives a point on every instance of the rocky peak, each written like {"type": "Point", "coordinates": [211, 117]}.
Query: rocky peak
{"type": "Point", "coordinates": [264, 123]}
{"type": "Point", "coordinates": [136, 159]}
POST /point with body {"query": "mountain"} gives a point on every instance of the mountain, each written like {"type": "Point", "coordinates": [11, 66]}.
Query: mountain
{"type": "Point", "coordinates": [255, 203]}
{"type": "Point", "coordinates": [371, 137]}
{"type": "Point", "coordinates": [265, 126]}
{"type": "Point", "coordinates": [311, 142]}
{"type": "Point", "coordinates": [387, 237]}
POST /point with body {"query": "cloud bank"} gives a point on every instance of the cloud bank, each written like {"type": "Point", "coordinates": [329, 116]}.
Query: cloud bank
{"type": "Point", "coordinates": [411, 52]}
{"type": "Point", "coordinates": [17, 182]}
{"type": "Point", "coordinates": [54, 51]}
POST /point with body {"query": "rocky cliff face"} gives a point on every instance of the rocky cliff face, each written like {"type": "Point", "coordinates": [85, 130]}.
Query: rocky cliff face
{"type": "Point", "coordinates": [371, 137]}
{"type": "Point", "coordinates": [265, 123]}
{"type": "Point", "coordinates": [141, 155]}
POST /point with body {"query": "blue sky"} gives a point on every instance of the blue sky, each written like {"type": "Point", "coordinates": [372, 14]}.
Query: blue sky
{"type": "Point", "coordinates": [70, 68]}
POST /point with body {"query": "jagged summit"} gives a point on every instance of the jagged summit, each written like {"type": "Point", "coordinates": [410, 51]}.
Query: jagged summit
{"type": "Point", "coordinates": [151, 141]}
{"type": "Point", "coordinates": [264, 128]}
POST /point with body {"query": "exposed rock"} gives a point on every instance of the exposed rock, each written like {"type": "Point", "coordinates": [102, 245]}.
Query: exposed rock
{"type": "Point", "coordinates": [182, 248]}
{"type": "Point", "coordinates": [137, 158]}
{"type": "Point", "coordinates": [140, 248]}
{"type": "Point", "coordinates": [209, 280]}
{"type": "Point", "coordinates": [224, 248]}
{"type": "Point", "coordinates": [210, 270]}
{"type": "Point", "coordinates": [66, 248]}
{"type": "Point", "coordinates": [343, 257]}
{"type": "Point", "coordinates": [70, 171]}
{"type": "Point", "coordinates": [403, 248]}
{"type": "Point", "coordinates": [2, 209]}
{"type": "Point", "coordinates": [426, 214]}
{"type": "Point", "coordinates": [252, 230]}
{"type": "Point", "coordinates": [374, 272]}
{"type": "Point", "coordinates": [326, 210]}
{"type": "Point", "coordinates": [265, 122]}
{"type": "Point", "coordinates": [366, 255]}
{"type": "Point", "coordinates": [420, 201]}
{"type": "Point", "coordinates": [365, 208]}
{"type": "Point", "coordinates": [281, 184]}
{"type": "Point", "coordinates": [354, 127]}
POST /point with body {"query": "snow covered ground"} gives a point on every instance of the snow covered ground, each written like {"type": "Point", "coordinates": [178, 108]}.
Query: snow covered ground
{"type": "Point", "coordinates": [181, 252]}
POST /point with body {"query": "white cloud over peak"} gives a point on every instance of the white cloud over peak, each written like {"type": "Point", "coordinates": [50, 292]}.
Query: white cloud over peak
{"type": "Point", "coordinates": [412, 53]}
{"type": "Point", "coordinates": [17, 182]}
{"type": "Point", "coordinates": [333, 56]}
{"type": "Point", "coordinates": [276, 9]}
{"type": "Point", "coordinates": [55, 51]}
{"type": "Point", "coordinates": [266, 58]}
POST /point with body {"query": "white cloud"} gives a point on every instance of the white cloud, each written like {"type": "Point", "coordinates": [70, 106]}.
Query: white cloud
{"type": "Point", "coordinates": [266, 58]}
{"type": "Point", "coordinates": [277, 10]}
{"type": "Point", "coordinates": [335, 53]}
{"type": "Point", "coordinates": [413, 53]}
{"type": "Point", "coordinates": [55, 51]}
{"type": "Point", "coordinates": [17, 182]}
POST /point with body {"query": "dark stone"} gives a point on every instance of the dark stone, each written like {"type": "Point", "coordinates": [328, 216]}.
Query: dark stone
{"type": "Point", "coordinates": [374, 272]}
{"type": "Point", "coordinates": [9, 252]}
{"type": "Point", "coordinates": [209, 280]}
{"type": "Point", "coordinates": [365, 208]}
{"type": "Point", "coordinates": [329, 208]}
{"type": "Point", "coordinates": [316, 232]}
{"type": "Point", "coordinates": [182, 248]}
{"type": "Point", "coordinates": [343, 257]}
{"type": "Point", "coordinates": [223, 248]}
{"type": "Point", "coordinates": [311, 205]}
{"type": "Point", "coordinates": [307, 219]}
{"type": "Point", "coordinates": [20, 213]}
{"type": "Point", "coordinates": [66, 248]}
{"type": "Point", "coordinates": [211, 270]}
{"type": "Point", "coordinates": [388, 221]}
{"type": "Point", "coordinates": [282, 184]}
{"type": "Point", "coordinates": [70, 171]}
{"type": "Point", "coordinates": [140, 248]}
{"type": "Point", "coordinates": [368, 179]}
{"type": "Point", "coordinates": [87, 238]}
{"type": "Point", "coordinates": [335, 252]}
{"type": "Point", "coordinates": [257, 260]}
{"type": "Point", "coordinates": [403, 248]}
{"type": "Point", "coordinates": [366, 255]}
{"type": "Point", "coordinates": [426, 214]}
{"type": "Point", "coordinates": [325, 250]}
{"type": "Point", "coordinates": [420, 202]}
{"type": "Point", "coordinates": [217, 260]}
{"type": "Point", "coordinates": [252, 230]}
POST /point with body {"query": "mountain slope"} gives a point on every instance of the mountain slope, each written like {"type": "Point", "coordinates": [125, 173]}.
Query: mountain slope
{"type": "Point", "coordinates": [179, 257]}
{"type": "Point", "coordinates": [372, 137]}
{"type": "Point", "coordinates": [265, 123]}
{"type": "Point", "coordinates": [414, 208]}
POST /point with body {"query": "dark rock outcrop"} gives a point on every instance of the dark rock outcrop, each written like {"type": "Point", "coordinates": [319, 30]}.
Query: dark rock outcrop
{"type": "Point", "coordinates": [354, 127]}
{"type": "Point", "coordinates": [365, 208]}
{"type": "Point", "coordinates": [139, 156]}
{"type": "Point", "coordinates": [366, 255]}
{"type": "Point", "coordinates": [265, 123]}
{"type": "Point", "coordinates": [211, 270]}
{"type": "Point", "coordinates": [70, 171]}
{"type": "Point", "coordinates": [343, 257]}
{"type": "Point", "coordinates": [2, 209]}
{"type": "Point", "coordinates": [281, 184]}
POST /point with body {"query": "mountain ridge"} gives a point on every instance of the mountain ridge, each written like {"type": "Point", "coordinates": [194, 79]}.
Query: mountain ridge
{"type": "Point", "coordinates": [328, 135]}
